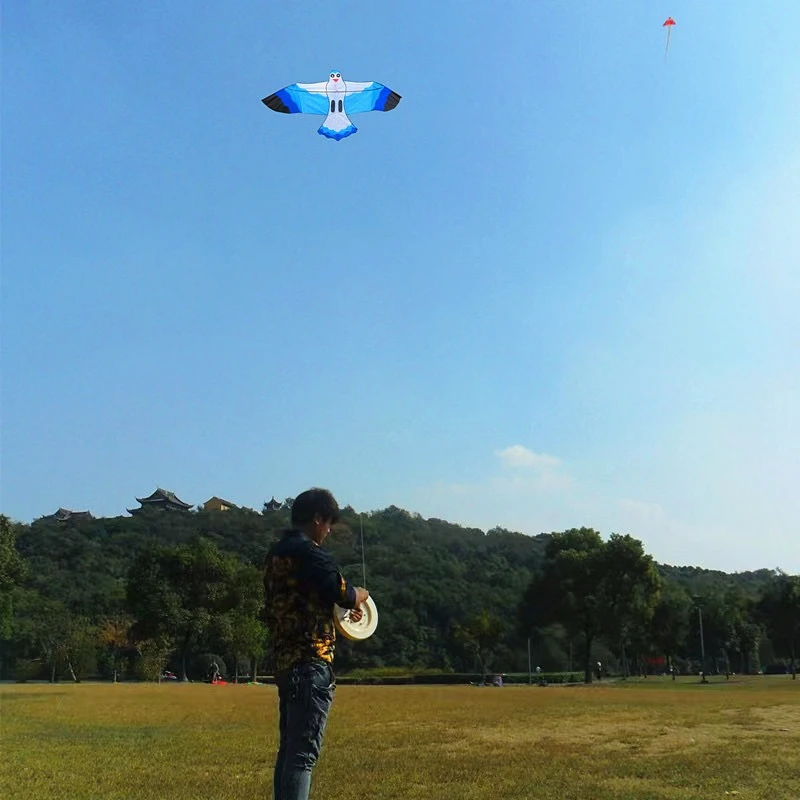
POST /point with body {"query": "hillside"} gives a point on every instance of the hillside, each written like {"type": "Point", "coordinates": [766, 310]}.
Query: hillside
{"type": "Point", "coordinates": [428, 576]}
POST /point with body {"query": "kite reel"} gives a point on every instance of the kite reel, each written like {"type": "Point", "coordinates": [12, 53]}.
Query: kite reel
{"type": "Point", "coordinates": [356, 631]}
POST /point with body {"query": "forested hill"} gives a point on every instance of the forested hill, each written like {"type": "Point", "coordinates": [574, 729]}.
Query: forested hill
{"type": "Point", "coordinates": [701, 581]}
{"type": "Point", "coordinates": [424, 574]}
{"type": "Point", "coordinates": [428, 566]}
{"type": "Point", "coordinates": [430, 578]}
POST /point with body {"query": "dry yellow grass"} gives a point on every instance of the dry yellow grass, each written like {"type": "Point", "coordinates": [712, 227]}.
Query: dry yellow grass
{"type": "Point", "coordinates": [656, 739]}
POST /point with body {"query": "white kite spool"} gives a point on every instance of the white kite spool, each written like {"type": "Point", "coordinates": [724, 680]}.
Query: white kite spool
{"type": "Point", "coordinates": [356, 631]}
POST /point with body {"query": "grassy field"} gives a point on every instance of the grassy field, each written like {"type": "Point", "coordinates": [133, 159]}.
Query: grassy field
{"type": "Point", "coordinates": [653, 739]}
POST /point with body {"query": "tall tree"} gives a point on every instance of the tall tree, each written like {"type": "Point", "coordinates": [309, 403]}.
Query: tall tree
{"type": "Point", "coordinates": [480, 635]}
{"type": "Point", "coordinates": [629, 590]}
{"type": "Point", "coordinates": [569, 588]}
{"type": "Point", "coordinates": [239, 628]}
{"type": "Point", "coordinates": [63, 640]}
{"type": "Point", "coordinates": [720, 612]}
{"type": "Point", "coordinates": [241, 635]}
{"type": "Point", "coordinates": [115, 635]}
{"type": "Point", "coordinates": [670, 623]}
{"type": "Point", "coordinates": [175, 593]}
{"type": "Point", "coordinates": [779, 608]}
{"type": "Point", "coordinates": [12, 572]}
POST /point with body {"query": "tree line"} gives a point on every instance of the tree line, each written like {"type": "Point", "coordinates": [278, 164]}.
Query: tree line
{"type": "Point", "coordinates": [133, 596]}
{"type": "Point", "coordinates": [612, 592]}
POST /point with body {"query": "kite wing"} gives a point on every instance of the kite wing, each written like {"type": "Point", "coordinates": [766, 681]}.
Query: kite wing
{"type": "Point", "coordinates": [369, 96]}
{"type": "Point", "coordinates": [669, 22]}
{"type": "Point", "coordinates": [299, 98]}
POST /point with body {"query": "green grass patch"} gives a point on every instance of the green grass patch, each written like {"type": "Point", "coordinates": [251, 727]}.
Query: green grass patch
{"type": "Point", "coordinates": [633, 740]}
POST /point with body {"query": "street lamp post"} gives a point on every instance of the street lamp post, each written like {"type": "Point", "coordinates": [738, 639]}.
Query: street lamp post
{"type": "Point", "coordinates": [698, 599]}
{"type": "Point", "coordinates": [702, 640]}
{"type": "Point", "coordinates": [529, 661]}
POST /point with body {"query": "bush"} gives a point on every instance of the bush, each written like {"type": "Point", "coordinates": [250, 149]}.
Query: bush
{"type": "Point", "coordinates": [28, 669]}
{"type": "Point", "coordinates": [394, 672]}
{"type": "Point", "coordinates": [153, 655]}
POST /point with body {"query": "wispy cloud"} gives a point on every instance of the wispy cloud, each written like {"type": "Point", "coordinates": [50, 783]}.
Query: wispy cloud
{"type": "Point", "coordinates": [519, 456]}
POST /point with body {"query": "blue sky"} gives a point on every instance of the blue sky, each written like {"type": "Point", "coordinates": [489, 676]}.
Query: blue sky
{"type": "Point", "coordinates": [557, 286]}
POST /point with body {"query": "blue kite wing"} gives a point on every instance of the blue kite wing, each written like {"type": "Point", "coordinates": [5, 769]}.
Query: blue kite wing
{"type": "Point", "coordinates": [299, 98]}
{"type": "Point", "coordinates": [371, 96]}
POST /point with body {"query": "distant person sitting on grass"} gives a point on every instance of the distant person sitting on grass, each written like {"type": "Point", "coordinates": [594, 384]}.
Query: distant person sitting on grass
{"type": "Point", "coordinates": [301, 584]}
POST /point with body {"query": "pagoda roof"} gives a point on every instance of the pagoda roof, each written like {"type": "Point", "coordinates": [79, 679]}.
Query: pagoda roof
{"type": "Point", "coordinates": [163, 496]}
{"type": "Point", "coordinates": [273, 504]}
{"type": "Point", "coordinates": [66, 513]}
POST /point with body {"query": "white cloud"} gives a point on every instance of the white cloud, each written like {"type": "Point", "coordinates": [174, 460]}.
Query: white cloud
{"type": "Point", "coordinates": [518, 456]}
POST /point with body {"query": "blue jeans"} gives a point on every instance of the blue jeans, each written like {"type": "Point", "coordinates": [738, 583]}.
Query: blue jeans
{"type": "Point", "coordinates": [305, 695]}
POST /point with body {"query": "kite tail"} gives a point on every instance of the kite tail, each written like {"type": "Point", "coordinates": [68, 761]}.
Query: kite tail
{"type": "Point", "coordinates": [669, 31]}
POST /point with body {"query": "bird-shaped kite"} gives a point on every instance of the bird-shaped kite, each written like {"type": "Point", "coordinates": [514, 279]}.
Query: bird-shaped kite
{"type": "Point", "coordinates": [335, 98]}
{"type": "Point", "coordinates": [668, 25]}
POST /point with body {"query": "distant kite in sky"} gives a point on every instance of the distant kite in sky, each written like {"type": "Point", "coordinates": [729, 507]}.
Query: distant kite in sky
{"type": "Point", "coordinates": [668, 25]}
{"type": "Point", "coordinates": [335, 98]}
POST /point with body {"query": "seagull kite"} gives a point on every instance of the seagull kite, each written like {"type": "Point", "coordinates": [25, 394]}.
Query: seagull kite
{"type": "Point", "coordinates": [335, 98]}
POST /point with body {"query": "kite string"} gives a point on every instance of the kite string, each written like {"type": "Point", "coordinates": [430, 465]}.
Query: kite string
{"type": "Point", "coordinates": [363, 554]}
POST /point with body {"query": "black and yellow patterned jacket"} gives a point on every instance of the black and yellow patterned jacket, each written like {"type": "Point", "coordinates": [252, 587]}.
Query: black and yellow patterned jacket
{"type": "Point", "coordinates": [301, 585]}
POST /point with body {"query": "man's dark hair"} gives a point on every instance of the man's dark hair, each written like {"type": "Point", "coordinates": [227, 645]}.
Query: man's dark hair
{"type": "Point", "coordinates": [311, 502]}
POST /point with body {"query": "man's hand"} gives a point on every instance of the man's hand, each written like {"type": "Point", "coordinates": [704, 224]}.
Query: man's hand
{"type": "Point", "coordinates": [361, 598]}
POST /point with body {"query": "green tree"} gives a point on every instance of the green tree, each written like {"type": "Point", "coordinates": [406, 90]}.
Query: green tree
{"type": "Point", "coordinates": [154, 654]}
{"type": "Point", "coordinates": [175, 594]}
{"type": "Point", "coordinates": [723, 613]}
{"type": "Point", "coordinates": [779, 609]}
{"type": "Point", "coordinates": [629, 588]}
{"type": "Point", "coordinates": [114, 634]}
{"type": "Point", "coordinates": [152, 599]}
{"type": "Point", "coordinates": [480, 635]}
{"type": "Point", "coordinates": [241, 636]}
{"type": "Point", "coordinates": [63, 640]}
{"type": "Point", "coordinates": [12, 573]}
{"type": "Point", "coordinates": [749, 634]}
{"type": "Point", "coordinates": [594, 588]}
{"type": "Point", "coordinates": [670, 623]}
{"type": "Point", "coordinates": [240, 630]}
{"type": "Point", "coordinates": [569, 589]}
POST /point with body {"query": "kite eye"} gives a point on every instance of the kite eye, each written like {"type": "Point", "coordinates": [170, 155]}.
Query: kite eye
{"type": "Point", "coordinates": [333, 74]}
{"type": "Point", "coordinates": [338, 74]}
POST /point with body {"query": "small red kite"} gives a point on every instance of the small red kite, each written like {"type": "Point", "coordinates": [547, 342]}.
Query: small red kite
{"type": "Point", "coordinates": [668, 25]}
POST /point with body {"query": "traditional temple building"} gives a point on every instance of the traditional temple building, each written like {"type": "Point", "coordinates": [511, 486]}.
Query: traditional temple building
{"type": "Point", "coordinates": [218, 504]}
{"type": "Point", "coordinates": [160, 500]}
{"type": "Point", "coordinates": [66, 515]}
{"type": "Point", "coordinates": [272, 505]}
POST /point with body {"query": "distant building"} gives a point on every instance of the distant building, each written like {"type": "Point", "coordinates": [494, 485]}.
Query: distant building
{"type": "Point", "coordinates": [66, 515]}
{"type": "Point", "coordinates": [272, 505]}
{"type": "Point", "coordinates": [218, 504]}
{"type": "Point", "coordinates": [160, 500]}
